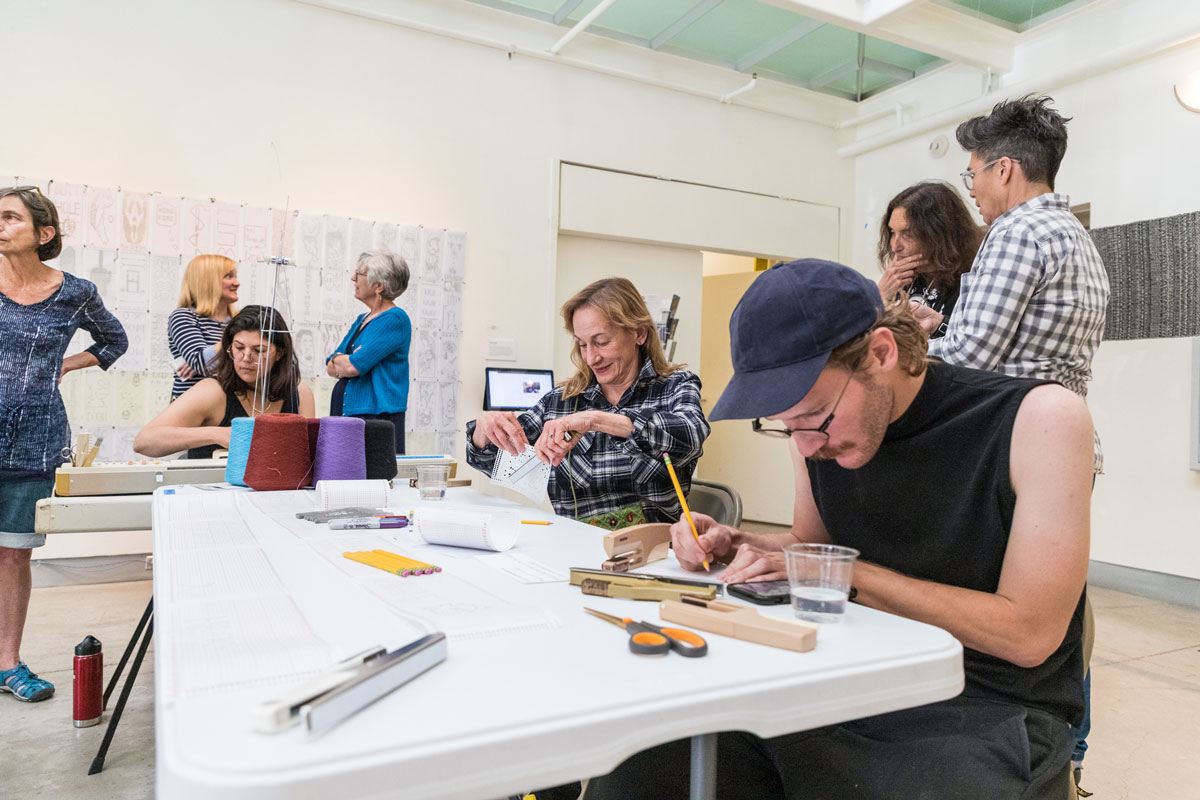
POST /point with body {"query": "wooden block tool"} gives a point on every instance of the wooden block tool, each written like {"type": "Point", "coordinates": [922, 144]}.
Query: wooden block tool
{"type": "Point", "coordinates": [740, 622]}
{"type": "Point", "coordinates": [634, 547]}
{"type": "Point", "coordinates": [639, 587]}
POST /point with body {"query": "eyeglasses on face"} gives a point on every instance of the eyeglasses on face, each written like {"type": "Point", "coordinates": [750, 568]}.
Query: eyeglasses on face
{"type": "Point", "coordinates": [819, 432]}
{"type": "Point", "coordinates": [968, 177]}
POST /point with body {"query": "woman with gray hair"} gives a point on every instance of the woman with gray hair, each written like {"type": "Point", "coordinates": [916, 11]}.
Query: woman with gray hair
{"type": "Point", "coordinates": [371, 363]}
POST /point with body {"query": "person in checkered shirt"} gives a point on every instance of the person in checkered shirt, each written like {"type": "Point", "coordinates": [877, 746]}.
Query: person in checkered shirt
{"type": "Point", "coordinates": [1034, 301]}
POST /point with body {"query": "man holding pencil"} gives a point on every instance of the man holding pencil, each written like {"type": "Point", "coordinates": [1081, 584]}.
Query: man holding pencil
{"type": "Point", "coordinates": [996, 553]}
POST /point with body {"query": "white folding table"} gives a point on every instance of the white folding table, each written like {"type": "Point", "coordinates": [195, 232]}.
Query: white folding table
{"type": "Point", "coordinates": [507, 712]}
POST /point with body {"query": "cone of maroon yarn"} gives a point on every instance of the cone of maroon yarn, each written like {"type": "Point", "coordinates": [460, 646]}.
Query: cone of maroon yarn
{"type": "Point", "coordinates": [314, 430]}
{"type": "Point", "coordinates": [380, 440]}
{"type": "Point", "coordinates": [278, 453]}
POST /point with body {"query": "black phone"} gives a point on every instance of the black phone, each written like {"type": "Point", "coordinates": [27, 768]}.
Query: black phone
{"type": "Point", "coordinates": [764, 593]}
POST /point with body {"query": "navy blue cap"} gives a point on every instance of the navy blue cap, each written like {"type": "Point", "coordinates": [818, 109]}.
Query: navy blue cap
{"type": "Point", "coordinates": [783, 330]}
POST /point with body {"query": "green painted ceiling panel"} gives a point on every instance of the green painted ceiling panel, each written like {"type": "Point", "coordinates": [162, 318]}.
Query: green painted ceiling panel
{"type": "Point", "coordinates": [898, 54]}
{"type": "Point", "coordinates": [826, 47]}
{"type": "Point", "coordinates": [733, 29]}
{"type": "Point", "coordinates": [1017, 12]}
{"type": "Point", "coordinates": [539, 6]}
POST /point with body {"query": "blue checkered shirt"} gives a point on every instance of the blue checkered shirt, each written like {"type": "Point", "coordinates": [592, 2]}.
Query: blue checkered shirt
{"type": "Point", "coordinates": [1034, 301]}
{"type": "Point", "coordinates": [608, 472]}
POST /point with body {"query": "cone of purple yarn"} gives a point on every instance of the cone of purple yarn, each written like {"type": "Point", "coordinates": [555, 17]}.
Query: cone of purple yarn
{"type": "Point", "coordinates": [341, 450]}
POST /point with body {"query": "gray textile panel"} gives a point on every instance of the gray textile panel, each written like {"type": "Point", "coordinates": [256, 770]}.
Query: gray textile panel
{"type": "Point", "coordinates": [1154, 271]}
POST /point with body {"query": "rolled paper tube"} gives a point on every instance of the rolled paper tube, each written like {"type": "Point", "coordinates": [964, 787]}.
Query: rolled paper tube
{"type": "Point", "coordinates": [314, 428]}
{"type": "Point", "coordinates": [278, 453]}
{"type": "Point", "coordinates": [240, 433]}
{"type": "Point", "coordinates": [380, 439]}
{"type": "Point", "coordinates": [341, 450]}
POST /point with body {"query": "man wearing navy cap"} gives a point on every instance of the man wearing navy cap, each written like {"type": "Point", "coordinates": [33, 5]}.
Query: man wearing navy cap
{"type": "Point", "coordinates": [966, 492]}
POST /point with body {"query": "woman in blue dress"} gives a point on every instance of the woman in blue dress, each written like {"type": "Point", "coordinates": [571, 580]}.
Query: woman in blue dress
{"type": "Point", "coordinates": [40, 310]}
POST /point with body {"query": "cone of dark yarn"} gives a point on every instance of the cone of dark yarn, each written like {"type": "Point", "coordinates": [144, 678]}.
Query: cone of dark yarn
{"type": "Point", "coordinates": [341, 450]}
{"type": "Point", "coordinates": [380, 449]}
{"type": "Point", "coordinates": [278, 453]}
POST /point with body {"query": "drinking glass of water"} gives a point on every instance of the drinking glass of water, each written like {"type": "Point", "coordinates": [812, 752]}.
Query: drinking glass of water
{"type": "Point", "coordinates": [431, 481]}
{"type": "Point", "coordinates": [819, 575]}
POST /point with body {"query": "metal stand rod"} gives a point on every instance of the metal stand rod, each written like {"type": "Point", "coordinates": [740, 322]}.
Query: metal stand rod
{"type": "Point", "coordinates": [703, 784]}
{"type": "Point", "coordinates": [137, 634]}
{"type": "Point", "coordinates": [98, 761]}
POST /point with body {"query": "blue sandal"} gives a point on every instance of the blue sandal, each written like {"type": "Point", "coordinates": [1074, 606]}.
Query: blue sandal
{"type": "Point", "coordinates": [25, 685]}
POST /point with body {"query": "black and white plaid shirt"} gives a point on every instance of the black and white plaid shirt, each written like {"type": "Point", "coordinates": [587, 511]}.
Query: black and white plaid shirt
{"type": "Point", "coordinates": [1033, 304]}
{"type": "Point", "coordinates": [608, 472]}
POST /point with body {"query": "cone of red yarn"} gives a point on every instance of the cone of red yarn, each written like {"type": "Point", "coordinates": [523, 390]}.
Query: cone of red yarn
{"type": "Point", "coordinates": [279, 456]}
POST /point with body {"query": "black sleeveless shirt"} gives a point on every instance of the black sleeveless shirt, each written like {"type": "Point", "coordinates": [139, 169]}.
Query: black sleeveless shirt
{"type": "Point", "coordinates": [936, 503]}
{"type": "Point", "coordinates": [234, 408]}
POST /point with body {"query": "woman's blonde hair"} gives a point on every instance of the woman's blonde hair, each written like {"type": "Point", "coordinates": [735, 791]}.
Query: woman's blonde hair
{"type": "Point", "coordinates": [201, 288]}
{"type": "Point", "coordinates": [622, 305]}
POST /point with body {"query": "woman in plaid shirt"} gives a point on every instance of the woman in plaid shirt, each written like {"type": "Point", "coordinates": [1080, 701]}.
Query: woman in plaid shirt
{"type": "Point", "coordinates": [604, 430]}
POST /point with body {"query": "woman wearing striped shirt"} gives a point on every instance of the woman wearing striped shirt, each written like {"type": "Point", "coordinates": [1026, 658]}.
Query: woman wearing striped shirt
{"type": "Point", "coordinates": [210, 288]}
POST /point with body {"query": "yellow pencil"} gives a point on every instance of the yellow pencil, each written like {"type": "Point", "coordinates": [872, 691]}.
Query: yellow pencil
{"type": "Point", "coordinates": [377, 563]}
{"type": "Point", "coordinates": [682, 502]}
{"type": "Point", "coordinates": [411, 563]}
{"type": "Point", "coordinates": [535, 522]}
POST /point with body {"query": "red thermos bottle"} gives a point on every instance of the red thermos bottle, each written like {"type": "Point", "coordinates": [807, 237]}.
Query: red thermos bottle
{"type": "Point", "coordinates": [89, 682]}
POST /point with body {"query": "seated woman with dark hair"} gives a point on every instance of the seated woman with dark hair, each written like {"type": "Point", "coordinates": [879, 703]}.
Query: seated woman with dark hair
{"type": "Point", "coordinates": [257, 373]}
{"type": "Point", "coordinates": [927, 240]}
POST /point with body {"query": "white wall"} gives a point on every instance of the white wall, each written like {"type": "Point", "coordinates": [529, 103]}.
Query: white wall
{"type": "Point", "coordinates": [379, 122]}
{"type": "Point", "coordinates": [1132, 155]}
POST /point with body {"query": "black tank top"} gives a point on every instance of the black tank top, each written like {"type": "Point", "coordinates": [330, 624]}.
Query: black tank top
{"type": "Point", "coordinates": [936, 503]}
{"type": "Point", "coordinates": [233, 409]}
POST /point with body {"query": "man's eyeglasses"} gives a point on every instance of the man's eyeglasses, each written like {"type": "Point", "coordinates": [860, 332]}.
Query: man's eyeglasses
{"type": "Point", "coordinates": [968, 177]}
{"type": "Point", "coordinates": [819, 431]}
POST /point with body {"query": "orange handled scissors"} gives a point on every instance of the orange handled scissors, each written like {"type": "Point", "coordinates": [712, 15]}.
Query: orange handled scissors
{"type": "Point", "coordinates": [650, 640]}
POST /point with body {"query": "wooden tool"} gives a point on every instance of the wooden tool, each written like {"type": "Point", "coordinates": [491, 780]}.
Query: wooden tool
{"type": "Point", "coordinates": [639, 587]}
{"type": "Point", "coordinates": [451, 483]}
{"type": "Point", "coordinates": [740, 622]}
{"type": "Point", "coordinates": [634, 547]}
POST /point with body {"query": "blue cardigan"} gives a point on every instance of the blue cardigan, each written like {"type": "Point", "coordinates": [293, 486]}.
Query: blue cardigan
{"type": "Point", "coordinates": [381, 358]}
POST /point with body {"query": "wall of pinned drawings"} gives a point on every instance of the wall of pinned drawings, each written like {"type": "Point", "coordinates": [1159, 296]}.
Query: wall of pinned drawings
{"type": "Point", "coordinates": [134, 246]}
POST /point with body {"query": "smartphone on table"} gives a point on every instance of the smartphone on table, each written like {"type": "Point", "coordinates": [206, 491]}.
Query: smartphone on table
{"type": "Point", "coordinates": [764, 593]}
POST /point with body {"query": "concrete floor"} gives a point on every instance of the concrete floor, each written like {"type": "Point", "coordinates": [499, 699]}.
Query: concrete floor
{"type": "Point", "coordinates": [1145, 694]}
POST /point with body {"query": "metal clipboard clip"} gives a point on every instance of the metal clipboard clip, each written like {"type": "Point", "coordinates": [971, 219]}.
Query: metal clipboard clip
{"type": "Point", "coordinates": [349, 686]}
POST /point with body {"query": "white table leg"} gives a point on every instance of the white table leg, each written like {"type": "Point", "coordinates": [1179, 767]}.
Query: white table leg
{"type": "Point", "coordinates": [704, 767]}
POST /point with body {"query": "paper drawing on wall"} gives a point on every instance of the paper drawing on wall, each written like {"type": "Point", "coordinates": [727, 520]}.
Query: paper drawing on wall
{"type": "Point", "coordinates": [65, 261]}
{"type": "Point", "coordinates": [160, 351]}
{"type": "Point", "coordinates": [337, 240]}
{"type": "Point", "coordinates": [447, 363]}
{"type": "Point", "coordinates": [456, 256]}
{"type": "Point", "coordinates": [256, 227]}
{"type": "Point", "coordinates": [135, 221]}
{"type": "Point", "coordinates": [452, 308]}
{"type": "Point", "coordinates": [331, 337]}
{"type": "Point", "coordinates": [336, 295]}
{"type": "Point", "coordinates": [362, 237]}
{"type": "Point", "coordinates": [307, 339]}
{"type": "Point", "coordinates": [131, 398]}
{"type": "Point", "coordinates": [387, 237]}
{"type": "Point", "coordinates": [165, 224]}
{"type": "Point", "coordinates": [429, 305]}
{"type": "Point", "coordinates": [132, 281]}
{"type": "Point", "coordinates": [98, 266]}
{"type": "Point", "coordinates": [306, 293]}
{"type": "Point", "coordinates": [422, 355]}
{"type": "Point", "coordinates": [102, 212]}
{"type": "Point", "coordinates": [196, 228]}
{"type": "Point", "coordinates": [227, 230]}
{"type": "Point", "coordinates": [96, 397]}
{"type": "Point", "coordinates": [283, 233]}
{"type": "Point", "coordinates": [446, 442]}
{"type": "Point", "coordinates": [158, 391]}
{"type": "Point", "coordinates": [137, 328]}
{"type": "Point", "coordinates": [431, 253]}
{"type": "Point", "coordinates": [427, 399]}
{"type": "Point", "coordinates": [309, 230]}
{"type": "Point", "coordinates": [68, 199]}
{"type": "Point", "coordinates": [447, 406]}
{"type": "Point", "coordinates": [410, 248]}
{"type": "Point", "coordinates": [166, 276]}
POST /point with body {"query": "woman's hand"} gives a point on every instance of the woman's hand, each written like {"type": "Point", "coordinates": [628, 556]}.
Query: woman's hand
{"type": "Point", "coordinates": [754, 563]}
{"type": "Point", "coordinates": [560, 435]}
{"type": "Point", "coordinates": [501, 428]}
{"type": "Point", "coordinates": [77, 361]}
{"type": "Point", "coordinates": [185, 371]}
{"type": "Point", "coordinates": [330, 369]}
{"type": "Point", "coordinates": [899, 275]}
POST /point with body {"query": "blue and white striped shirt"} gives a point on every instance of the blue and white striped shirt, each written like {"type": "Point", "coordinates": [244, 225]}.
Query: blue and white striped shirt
{"type": "Point", "coordinates": [191, 337]}
{"type": "Point", "coordinates": [33, 339]}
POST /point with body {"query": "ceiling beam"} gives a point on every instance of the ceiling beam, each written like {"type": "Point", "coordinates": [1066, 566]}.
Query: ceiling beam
{"type": "Point", "coordinates": [927, 27]}
{"type": "Point", "coordinates": [827, 77]}
{"type": "Point", "coordinates": [565, 10]}
{"type": "Point", "coordinates": [891, 71]}
{"type": "Point", "coordinates": [683, 23]}
{"type": "Point", "coordinates": [770, 48]}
